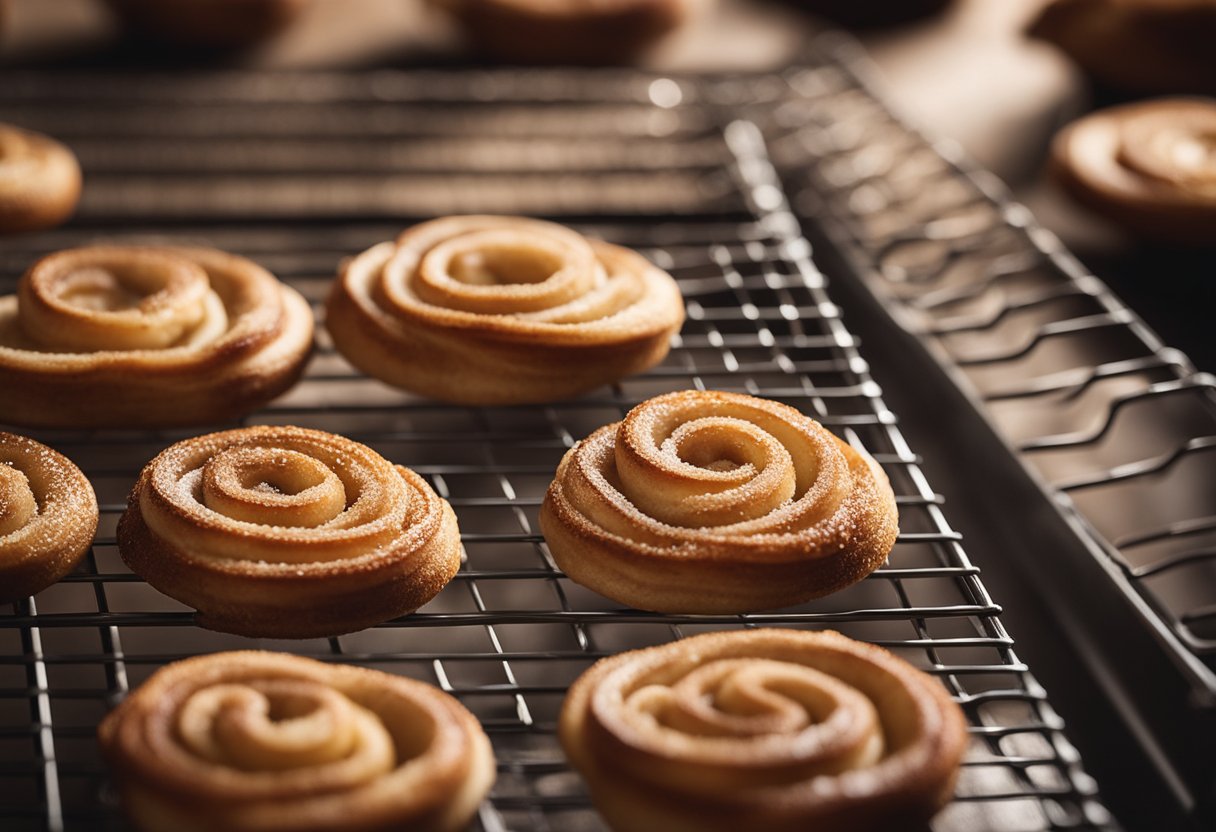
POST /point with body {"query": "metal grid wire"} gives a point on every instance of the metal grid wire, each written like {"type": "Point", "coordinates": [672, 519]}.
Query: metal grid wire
{"type": "Point", "coordinates": [1119, 427]}
{"type": "Point", "coordinates": [510, 632]}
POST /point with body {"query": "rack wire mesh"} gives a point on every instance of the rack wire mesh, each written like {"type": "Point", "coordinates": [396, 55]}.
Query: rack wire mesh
{"type": "Point", "coordinates": [316, 167]}
{"type": "Point", "coordinates": [1118, 427]}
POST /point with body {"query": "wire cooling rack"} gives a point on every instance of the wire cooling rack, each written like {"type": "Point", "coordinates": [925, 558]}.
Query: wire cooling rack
{"type": "Point", "coordinates": [1119, 428]}
{"type": "Point", "coordinates": [315, 168]}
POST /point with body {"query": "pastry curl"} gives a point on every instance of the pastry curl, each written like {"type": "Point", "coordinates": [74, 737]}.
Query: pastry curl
{"type": "Point", "coordinates": [1149, 166]}
{"type": "Point", "coordinates": [567, 31]}
{"type": "Point", "coordinates": [263, 741]}
{"type": "Point", "coordinates": [501, 310]}
{"type": "Point", "coordinates": [763, 729]}
{"type": "Point", "coordinates": [39, 181]}
{"type": "Point", "coordinates": [289, 533]}
{"type": "Point", "coordinates": [707, 502]}
{"type": "Point", "coordinates": [48, 516]}
{"type": "Point", "coordinates": [111, 336]}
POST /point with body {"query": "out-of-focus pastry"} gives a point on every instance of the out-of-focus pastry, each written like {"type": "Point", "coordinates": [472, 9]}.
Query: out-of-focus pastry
{"type": "Point", "coordinates": [39, 181]}
{"type": "Point", "coordinates": [115, 336]}
{"type": "Point", "coordinates": [501, 310]}
{"type": "Point", "coordinates": [48, 516]}
{"type": "Point", "coordinates": [262, 741]}
{"type": "Point", "coordinates": [209, 24]}
{"type": "Point", "coordinates": [1149, 167]}
{"type": "Point", "coordinates": [707, 502]}
{"type": "Point", "coordinates": [870, 14]}
{"type": "Point", "coordinates": [567, 31]}
{"type": "Point", "coordinates": [1142, 46]}
{"type": "Point", "coordinates": [288, 533]}
{"type": "Point", "coordinates": [778, 730]}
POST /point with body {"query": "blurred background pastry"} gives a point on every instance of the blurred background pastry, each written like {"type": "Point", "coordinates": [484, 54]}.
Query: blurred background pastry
{"type": "Point", "coordinates": [208, 24]}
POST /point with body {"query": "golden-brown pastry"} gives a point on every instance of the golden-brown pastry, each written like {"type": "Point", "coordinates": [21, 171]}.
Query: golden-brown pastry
{"type": "Point", "coordinates": [39, 181]}
{"type": "Point", "coordinates": [501, 310]}
{"type": "Point", "coordinates": [1149, 166]}
{"type": "Point", "coordinates": [288, 533]}
{"type": "Point", "coordinates": [707, 502]}
{"type": "Point", "coordinates": [110, 336]}
{"type": "Point", "coordinates": [209, 24]}
{"type": "Point", "coordinates": [567, 31]}
{"type": "Point", "coordinates": [48, 516]}
{"type": "Point", "coordinates": [1144, 46]}
{"type": "Point", "coordinates": [262, 741]}
{"type": "Point", "coordinates": [778, 730]}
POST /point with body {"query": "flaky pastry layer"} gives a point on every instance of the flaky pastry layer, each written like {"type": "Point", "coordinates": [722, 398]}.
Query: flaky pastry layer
{"type": "Point", "coordinates": [763, 729]}
{"type": "Point", "coordinates": [254, 740]}
{"type": "Point", "coordinates": [501, 310]}
{"type": "Point", "coordinates": [287, 532]}
{"type": "Point", "coordinates": [710, 502]}
{"type": "Point", "coordinates": [132, 336]}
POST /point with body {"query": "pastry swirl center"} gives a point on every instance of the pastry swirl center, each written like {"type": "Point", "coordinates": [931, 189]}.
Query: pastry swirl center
{"type": "Point", "coordinates": [272, 486]}
{"type": "Point", "coordinates": [1180, 151]}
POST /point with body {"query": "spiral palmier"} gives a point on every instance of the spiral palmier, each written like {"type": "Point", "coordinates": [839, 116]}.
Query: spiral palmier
{"type": "Point", "coordinates": [110, 336]}
{"type": "Point", "coordinates": [500, 310]}
{"type": "Point", "coordinates": [567, 31]}
{"type": "Point", "coordinates": [287, 532]}
{"type": "Point", "coordinates": [48, 516]}
{"type": "Point", "coordinates": [1150, 167]}
{"type": "Point", "coordinates": [763, 729]}
{"type": "Point", "coordinates": [39, 181]}
{"type": "Point", "coordinates": [708, 502]}
{"type": "Point", "coordinates": [266, 741]}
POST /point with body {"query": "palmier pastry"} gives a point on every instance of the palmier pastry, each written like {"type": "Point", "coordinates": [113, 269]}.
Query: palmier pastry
{"type": "Point", "coordinates": [501, 310]}
{"type": "Point", "coordinates": [110, 336]}
{"type": "Point", "coordinates": [48, 516]}
{"type": "Point", "coordinates": [706, 502]}
{"type": "Point", "coordinates": [262, 741]}
{"type": "Point", "coordinates": [1150, 166]}
{"type": "Point", "coordinates": [39, 181]}
{"type": "Point", "coordinates": [289, 533]}
{"type": "Point", "coordinates": [567, 31]}
{"type": "Point", "coordinates": [1144, 46]}
{"type": "Point", "coordinates": [867, 14]}
{"type": "Point", "coordinates": [778, 730]}
{"type": "Point", "coordinates": [208, 24]}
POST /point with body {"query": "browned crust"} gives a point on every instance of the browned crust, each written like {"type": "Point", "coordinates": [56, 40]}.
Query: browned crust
{"type": "Point", "coordinates": [527, 32]}
{"type": "Point", "coordinates": [1148, 208]}
{"type": "Point", "coordinates": [165, 785]}
{"type": "Point", "coordinates": [50, 545]}
{"type": "Point", "coordinates": [221, 380]}
{"type": "Point", "coordinates": [909, 784]}
{"type": "Point", "coordinates": [700, 573]}
{"type": "Point", "coordinates": [209, 24]}
{"type": "Point", "coordinates": [39, 183]}
{"type": "Point", "coordinates": [326, 596]}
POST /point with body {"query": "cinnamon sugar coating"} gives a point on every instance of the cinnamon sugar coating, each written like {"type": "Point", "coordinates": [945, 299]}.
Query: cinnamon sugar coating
{"type": "Point", "coordinates": [133, 336]}
{"type": "Point", "coordinates": [39, 181]}
{"type": "Point", "coordinates": [264, 741]}
{"type": "Point", "coordinates": [1148, 166]}
{"type": "Point", "coordinates": [48, 516]}
{"type": "Point", "coordinates": [501, 310]}
{"type": "Point", "coordinates": [289, 533]}
{"type": "Point", "coordinates": [709, 502]}
{"type": "Point", "coordinates": [778, 730]}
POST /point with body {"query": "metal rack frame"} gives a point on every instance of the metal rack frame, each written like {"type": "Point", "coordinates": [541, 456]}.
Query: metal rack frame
{"type": "Point", "coordinates": [510, 632]}
{"type": "Point", "coordinates": [976, 244]}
